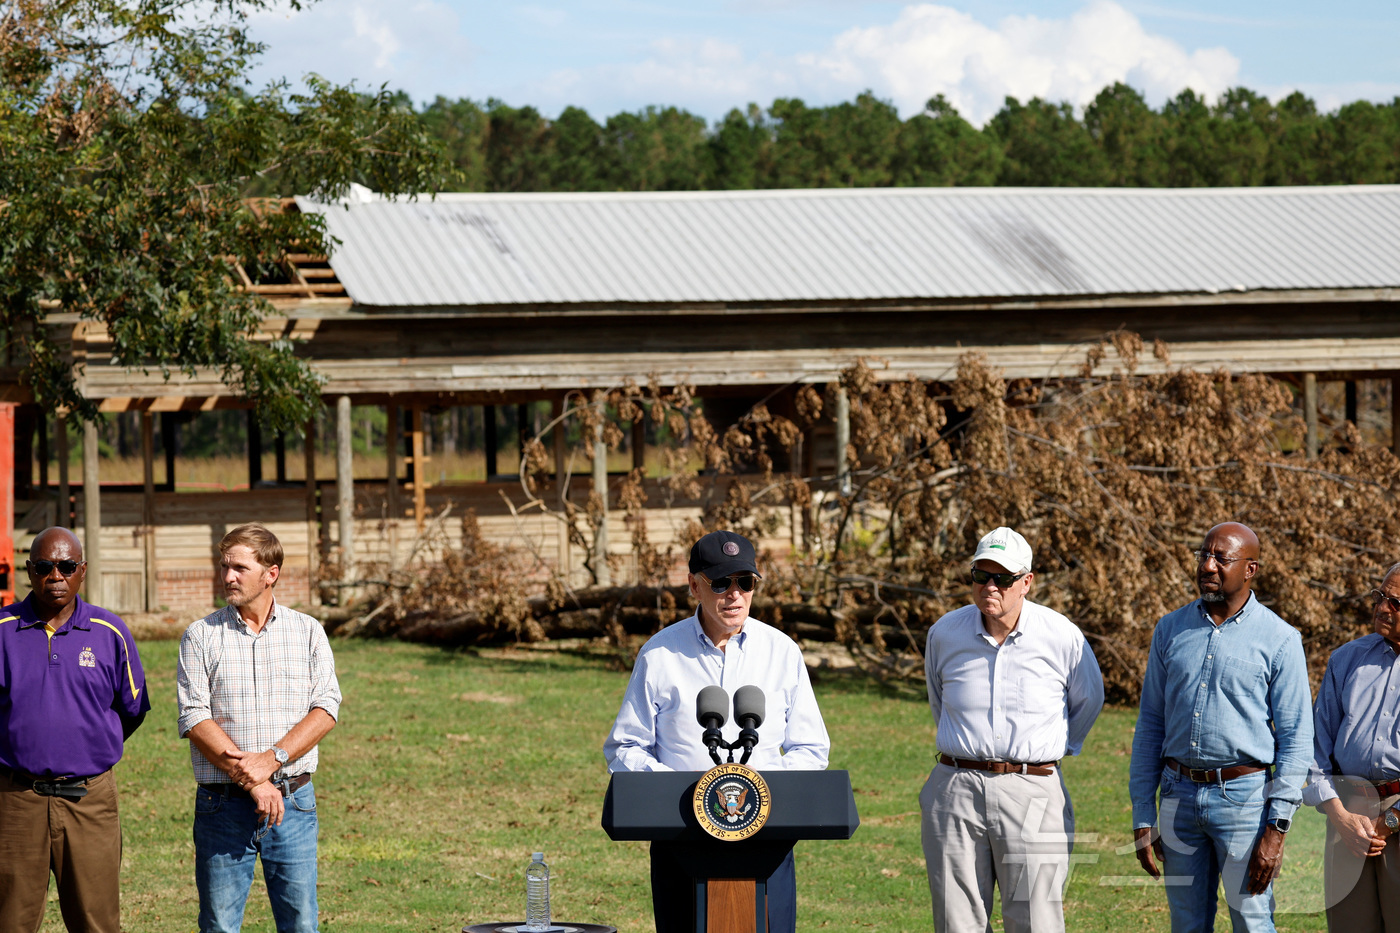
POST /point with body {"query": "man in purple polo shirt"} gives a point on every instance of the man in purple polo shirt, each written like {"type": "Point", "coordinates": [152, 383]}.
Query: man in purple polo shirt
{"type": "Point", "coordinates": [71, 691]}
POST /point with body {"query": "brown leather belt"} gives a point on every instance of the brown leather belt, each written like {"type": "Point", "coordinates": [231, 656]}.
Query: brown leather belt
{"type": "Point", "coordinates": [1215, 775]}
{"type": "Point", "coordinates": [1039, 769]}
{"type": "Point", "coordinates": [1383, 788]}
{"type": "Point", "coordinates": [288, 786]}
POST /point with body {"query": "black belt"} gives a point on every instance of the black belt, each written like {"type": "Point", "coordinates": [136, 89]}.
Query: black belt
{"type": "Point", "coordinates": [67, 786]}
{"type": "Point", "coordinates": [289, 786]}
{"type": "Point", "coordinates": [1039, 769]}
{"type": "Point", "coordinates": [1214, 775]}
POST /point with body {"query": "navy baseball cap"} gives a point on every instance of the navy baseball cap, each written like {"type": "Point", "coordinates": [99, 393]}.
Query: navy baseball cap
{"type": "Point", "coordinates": [720, 553]}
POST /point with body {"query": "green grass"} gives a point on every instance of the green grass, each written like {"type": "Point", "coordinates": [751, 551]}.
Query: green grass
{"type": "Point", "coordinates": [450, 767]}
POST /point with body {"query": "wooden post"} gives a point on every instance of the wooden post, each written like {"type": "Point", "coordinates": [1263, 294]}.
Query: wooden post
{"type": "Point", "coordinates": [92, 515]}
{"type": "Point", "coordinates": [843, 440]}
{"type": "Point", "coordinates": [488, 421]}
{"type": "Point", "coordinates": [313, 524]}
{"type": "Point", "coordinates": [60, 436]}
{"type": "Point", "coordinates": [420, 469]}
{"type": "Point", "coordinates": [392, 510]}
{"type": "Point", "coordinates": [254, 449]}
{"type": "Point", "coordinates": [345, 488]}
{"type": "Point", "coordinates": [564, 555]}
{"type": "Point", "coordinates": [1395, 415]}
{"type": "Point", "coordinates": [600, 486]}
{"type": "Point", "coordinates": [148, 509]}
{"type": "Point", "coordinates": [1310, 413]}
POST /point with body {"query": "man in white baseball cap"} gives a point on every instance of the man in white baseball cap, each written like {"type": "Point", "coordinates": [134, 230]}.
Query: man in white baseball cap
{"type": "Point", "coordinates": [1014, 687]}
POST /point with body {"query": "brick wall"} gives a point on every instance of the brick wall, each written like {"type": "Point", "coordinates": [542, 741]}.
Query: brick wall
{"type": "Point", "coordinates": [200, 589]}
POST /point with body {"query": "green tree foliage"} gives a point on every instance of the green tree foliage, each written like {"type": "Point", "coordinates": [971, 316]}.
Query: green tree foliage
{"type": "Point", "coordinates": [129, 143]}
{"type": "Point", "coordinates": [1118, 140]}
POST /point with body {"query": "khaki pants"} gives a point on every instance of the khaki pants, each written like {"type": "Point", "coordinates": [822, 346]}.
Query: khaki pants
{"type": "Point", "coordinates": [1011, 831]}
{"type": "Point", "coordinates": [1363, 894]}
{"type": "Point", "coordinates": [79, 841]}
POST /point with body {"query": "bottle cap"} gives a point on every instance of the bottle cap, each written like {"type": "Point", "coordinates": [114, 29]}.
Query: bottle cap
{"type": "Point", "coordinates": [538, 856]}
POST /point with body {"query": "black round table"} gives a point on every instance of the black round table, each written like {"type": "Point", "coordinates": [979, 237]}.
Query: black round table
{"type": "Point", "coordinates": [508, 926]}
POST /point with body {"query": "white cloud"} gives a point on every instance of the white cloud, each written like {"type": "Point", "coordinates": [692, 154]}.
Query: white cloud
{"type": "Point", "coordinates": [369, 42]}
{"type": "Point", "coordinates": [933, 49]}
{"type": "Point", "coordinates": [928, 49]}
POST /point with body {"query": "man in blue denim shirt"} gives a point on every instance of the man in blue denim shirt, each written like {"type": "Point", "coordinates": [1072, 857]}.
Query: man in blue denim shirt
{"type": "Point", "coordinates": [1230, 752]}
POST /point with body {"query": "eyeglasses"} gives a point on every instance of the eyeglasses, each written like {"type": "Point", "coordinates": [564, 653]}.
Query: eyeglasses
{"type": "Point", "coordinates": [42, 568]}
{"type": "Point", "coordinates": [744, 581]}
{"type": "Point", "coordinates": [1003, 580]}
{"type": "Point", "coordinates": [1203, 555]}
{"type": "Point", "coordinates": [1377, 597]}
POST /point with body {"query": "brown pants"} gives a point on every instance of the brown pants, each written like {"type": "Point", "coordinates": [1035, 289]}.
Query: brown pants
{"type": "Point", "coordinates": [1363, 894]}
{"type": "Point", "coordinates": [80, 841]}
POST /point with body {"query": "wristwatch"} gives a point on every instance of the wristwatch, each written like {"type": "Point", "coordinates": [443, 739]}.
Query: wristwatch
{"type": "Point", "coordinates": [280, 754]}
{"type": "Point", "coordinates": [1282, 825]}
{"type": "Point", "coordinates": [1392, 819]}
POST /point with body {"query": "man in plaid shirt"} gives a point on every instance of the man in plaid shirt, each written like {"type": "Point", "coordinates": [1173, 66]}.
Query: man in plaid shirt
{"type": "Point", "coordinates": [257, 691]}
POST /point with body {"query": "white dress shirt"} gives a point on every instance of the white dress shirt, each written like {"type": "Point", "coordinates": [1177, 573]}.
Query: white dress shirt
{"type": "Point", "coordinates": [656, 728]}
{"type": "Point", "coordinates": [1031, 699]}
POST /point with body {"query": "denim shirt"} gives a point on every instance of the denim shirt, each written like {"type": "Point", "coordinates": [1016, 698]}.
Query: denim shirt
{"type": "Point", "coordinates": [1216, 696]}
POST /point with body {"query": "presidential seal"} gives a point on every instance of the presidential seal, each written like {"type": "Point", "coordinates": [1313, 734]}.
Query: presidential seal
{"type": "Point", "coordinates": [732, 802]}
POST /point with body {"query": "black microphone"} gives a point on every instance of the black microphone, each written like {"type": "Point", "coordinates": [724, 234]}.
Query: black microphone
{"type": "Point", "coordinates": [748, 713]}
{"type": "Point", "coordinates": [711, 707]}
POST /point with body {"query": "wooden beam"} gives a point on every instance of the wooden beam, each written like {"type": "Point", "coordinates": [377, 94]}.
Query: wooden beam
{"type": "Point", "coordinates": [600, 487]}
{"type": "Point", "coordinates": [564, 554]}
{"type": "Point", "coordinates": [92, 515]}
{"type": "Point", "coordinates": [420, 469]}
{"type": "Point", "coordinates": [345, 489]}
{"type": "Point", "coordinates": [1310, 413]}
{"type": "Point", "coordinates": [842, 416]}
{"type": "Point", "coordinates": [148, 510]}
{"type": "Point", "coordinates": [313, 524]}
{"type": "Point", "coordinates": [392, 509]}
{"type": "Point", "coordinates": [60, 436]}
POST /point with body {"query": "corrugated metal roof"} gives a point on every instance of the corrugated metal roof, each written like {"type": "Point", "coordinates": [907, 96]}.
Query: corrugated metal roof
{"type": "Point", "coordinates": [861, 244]}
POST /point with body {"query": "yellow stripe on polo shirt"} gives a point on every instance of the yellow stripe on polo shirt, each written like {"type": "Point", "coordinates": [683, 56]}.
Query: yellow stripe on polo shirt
{"type": "Point", "coordinates": [9, 619]}
{"type": "Point", "coordinates": [131, 678]}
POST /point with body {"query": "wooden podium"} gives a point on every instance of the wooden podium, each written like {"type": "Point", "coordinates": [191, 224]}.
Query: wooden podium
{"type": "Point", "coordinates": [729, 877]}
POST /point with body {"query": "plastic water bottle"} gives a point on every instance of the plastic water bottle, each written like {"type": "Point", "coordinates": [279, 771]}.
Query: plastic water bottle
{"type": "Point", "coordinates": [537, 894]}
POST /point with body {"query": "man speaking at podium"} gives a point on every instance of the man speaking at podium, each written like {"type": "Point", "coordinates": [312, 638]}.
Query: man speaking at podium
{"type": "Point", "coordinates": [721, 645]}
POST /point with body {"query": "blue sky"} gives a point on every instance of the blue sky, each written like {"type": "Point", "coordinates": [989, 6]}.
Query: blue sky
{"type": "Point", "coordinates": [710, 55]}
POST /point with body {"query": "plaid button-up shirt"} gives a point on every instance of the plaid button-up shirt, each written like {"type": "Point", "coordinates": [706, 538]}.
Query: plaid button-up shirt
{"type": "Point", "coordinates": [254, 686]}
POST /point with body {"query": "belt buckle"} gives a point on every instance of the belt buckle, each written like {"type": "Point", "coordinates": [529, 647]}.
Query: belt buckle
{"type": "Point", "coordinates": [1200, 776]}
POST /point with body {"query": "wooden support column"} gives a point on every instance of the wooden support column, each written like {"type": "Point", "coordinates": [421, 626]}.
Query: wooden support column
{"type": "Point", "coordinates": [254, 450]}
{"type": "Point", "coordinates": [564, 555]}
{"type": "Point", "coordinates": [170, 442]}
{"type": "Point", "coordinates": [148, 509]}
{"type": "Point", "coordinates": [522, 433]}
{"type": "Point", "coordinates": [1395, 415]}
{"type": "Point", "coordinates": [345, 488]}
{"type": "Point", "coordinates": [92, 515]}
{"type": "Point", "coordinates": [600, 486]}
{"type": "Point", "coordinates": [60, 436]}
{"type": "Point", "coordinates": [843, 440]}
{"type": "Point", "coordinates": [639, 443]}
{"type": "Point", "coordinates": [279, 453]}
{"type": "Point", "coordinates": [488, 422]}
{"type": "Point", "coordinates": [420, 469]}
{"type": "Point", "coordinates": [1310, 413]}
{"type": "Point", "coordinates": [313, 524]}
{"type": "Point", "coordinates": [393, 511]}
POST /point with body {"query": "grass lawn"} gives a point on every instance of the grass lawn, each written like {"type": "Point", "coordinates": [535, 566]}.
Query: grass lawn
{"type": "Point", "coordinates": [450, 767]}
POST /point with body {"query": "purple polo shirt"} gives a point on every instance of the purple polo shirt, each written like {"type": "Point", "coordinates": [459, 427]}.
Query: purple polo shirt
{"type": "Point", "coordinates": [68, 702]}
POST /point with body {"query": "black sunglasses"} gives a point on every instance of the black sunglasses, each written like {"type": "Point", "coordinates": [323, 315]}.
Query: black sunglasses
{"type": "Point", "coordinates": [1377, 597]}
{"type": "Point", "coordinates": [1003, 580]}
{"type": "Point", "coordinates": [744, 581]}
{"type": "Point", "coordinates": [43, 568]}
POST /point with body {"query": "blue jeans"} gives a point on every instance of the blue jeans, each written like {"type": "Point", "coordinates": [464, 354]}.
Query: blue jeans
{"type": "Point", "coordinates": [1208, 834]}
{"type": "Point", "coordinates": [228, 838]}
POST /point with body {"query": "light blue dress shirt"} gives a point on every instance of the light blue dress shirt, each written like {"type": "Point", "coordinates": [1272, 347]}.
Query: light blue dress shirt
{"type": "Point", "coordinates": [1216, 696]}
{"type": "Point", "coordinates": [656, 729]}
{"type": "Point", "coordinates": [1031, 699]}
{"type": "Point", "coordinates": [1356, 718]}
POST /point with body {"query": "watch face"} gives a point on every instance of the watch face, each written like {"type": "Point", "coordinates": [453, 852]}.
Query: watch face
{"type": "Point", "coordinates": [1392, 820]}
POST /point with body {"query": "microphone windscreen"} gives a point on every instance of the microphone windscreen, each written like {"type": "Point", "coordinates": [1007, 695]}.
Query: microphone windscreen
{"type": "Point", "coordinates": [712, 703]}
{"type": "Point", "coordinates": [748, 701]}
